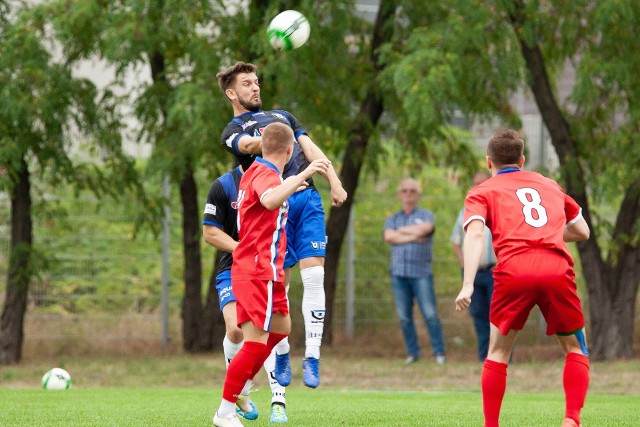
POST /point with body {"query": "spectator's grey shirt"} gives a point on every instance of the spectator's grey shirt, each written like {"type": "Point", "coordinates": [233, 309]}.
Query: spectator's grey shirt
{"type": "Point", "coordinates": [411, 259]}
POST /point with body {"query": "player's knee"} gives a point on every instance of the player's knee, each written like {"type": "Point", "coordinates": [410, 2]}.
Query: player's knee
{"type": "Point", "coordinates": [234, 333]}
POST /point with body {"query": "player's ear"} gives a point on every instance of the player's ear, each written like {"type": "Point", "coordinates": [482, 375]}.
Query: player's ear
{"type": "Point", "coordinates": [521, 162]}
{"type": "Point", "coordinates": [489, 163]}
{"type": "Point", "coordinates": [231, 94]}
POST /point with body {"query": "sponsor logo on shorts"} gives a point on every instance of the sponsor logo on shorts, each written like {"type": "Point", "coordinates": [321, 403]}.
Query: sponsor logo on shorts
{"type": "Point", "coordinates": [209, 209]}
{"type": "Point", "coordinates": [319, 245]}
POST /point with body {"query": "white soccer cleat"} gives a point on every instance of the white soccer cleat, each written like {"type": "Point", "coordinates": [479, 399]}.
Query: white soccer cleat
{"type": "Point", "coordinates": [231, 421]}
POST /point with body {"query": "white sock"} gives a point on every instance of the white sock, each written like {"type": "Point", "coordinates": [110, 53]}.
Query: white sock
{"type": "Point", "coordinates": [226, 409]}
{"type": "Point", "coordinates": [277, 391]}
{"type": "Point", "coordinates": [313, 308]}
{"type": "Point", "coordinates": [247, 388]}
{"type": "Point", "coordinates": [230, 349]}
{"type": "Point", "coordinates": [283, 346]}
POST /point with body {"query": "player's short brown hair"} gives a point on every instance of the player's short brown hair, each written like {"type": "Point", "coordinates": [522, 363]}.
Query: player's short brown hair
{"type": "Point", "coordinates": [506, 147]}
{"type": "Point", "coordinates": [276, 137]}
{"type": "Point", "coordinates": [227, 77]}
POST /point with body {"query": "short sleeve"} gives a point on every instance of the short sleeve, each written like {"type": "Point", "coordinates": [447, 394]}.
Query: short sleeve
{"type": "Point", "coordinates": [475, 207]}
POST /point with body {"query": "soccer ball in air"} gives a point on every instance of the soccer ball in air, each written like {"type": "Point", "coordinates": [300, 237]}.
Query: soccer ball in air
{"type": "Point", "coordinates": [56, 379]}
{"type": "Point", "coordinates": [288, 30]}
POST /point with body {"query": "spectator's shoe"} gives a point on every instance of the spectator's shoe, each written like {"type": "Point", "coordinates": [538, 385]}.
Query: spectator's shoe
{"type": "Point", "coordinates": [311, 372]}
{"type": "Point", "coordinates": [440, 359]}
{"type": "Point", "coordinates": [231, 421]}
{"type": "Point", "coordinates": [249, 415]}
{"type": "Point", "coordinates": [282, 372]}
{"type": "Point", "coordinates": [411, 359]}
{"type": "Point", "coordinates": [278, 413]}
{"type": "Point", "coordinates": [568, 422]}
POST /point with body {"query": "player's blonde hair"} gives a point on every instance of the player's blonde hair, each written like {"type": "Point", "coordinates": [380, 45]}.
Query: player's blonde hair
{"type": "Point", "coordinates": [227, 77]}
{"type": "Point", "coordinates": [506, 147]}
{"type": "Point", "coordinates": [276, 138]}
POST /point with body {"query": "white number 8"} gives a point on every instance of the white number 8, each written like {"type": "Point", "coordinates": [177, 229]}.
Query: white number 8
{"type": "Point", "coordinates": [530, 200]}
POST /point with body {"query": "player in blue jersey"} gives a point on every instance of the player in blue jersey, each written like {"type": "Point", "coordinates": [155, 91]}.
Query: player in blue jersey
{"type": "Point", "coordinates": [220, 230]}
{"type": "Point", "coordinates": [306, 231]}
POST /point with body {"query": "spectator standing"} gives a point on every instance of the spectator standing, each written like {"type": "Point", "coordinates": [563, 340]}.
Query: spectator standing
{"type": "Point", "coordinates": [410, 232]}
{"type": "Point", "coordinates": [483, 283]}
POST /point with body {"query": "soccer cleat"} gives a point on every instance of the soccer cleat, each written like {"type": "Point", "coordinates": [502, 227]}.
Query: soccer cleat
{"type": "Point", "coordinates": [251, 415]}
{"type": "Point", "coordinates": [568, 422]}
{"type": "Point", "coordinates": [311, 372]}
{"type": "Point", "coordinates": [282, 372]}
{"type": "Point", "coordinates": [231, 421]}
{"type": "Point", "coordinates": [278, 413]}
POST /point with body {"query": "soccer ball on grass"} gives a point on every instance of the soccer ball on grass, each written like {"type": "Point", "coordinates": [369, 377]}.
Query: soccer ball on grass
{"type": "Point", "coordinates": [288, 30]}
{"type": "Point", "coordinates": [56, 379]}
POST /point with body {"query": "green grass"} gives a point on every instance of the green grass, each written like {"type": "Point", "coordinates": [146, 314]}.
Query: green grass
{"type": "Point", "coordinates": [194, 407]}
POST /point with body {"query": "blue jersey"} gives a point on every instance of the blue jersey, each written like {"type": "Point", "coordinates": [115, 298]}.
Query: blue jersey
{"type": "Point", "coordinates": [252, 123]}
{"type": "Point", "coordinates": [221, 210]}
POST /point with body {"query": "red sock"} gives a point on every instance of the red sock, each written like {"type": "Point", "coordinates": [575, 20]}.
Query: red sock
{"type": "Point", "coordinates": [494, 384]}
{"type": "Point", "coordinates": [272, 341]}
{"type": "Point", "coordinates": [576, 382]}
{"type": "Point", "coordinates": [240, 369]}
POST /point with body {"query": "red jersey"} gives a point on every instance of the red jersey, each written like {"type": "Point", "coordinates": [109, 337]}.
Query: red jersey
{"type": "Point", "coordinates": [261, 232]}
{"type": "Point", "coordinates": [524, 210]}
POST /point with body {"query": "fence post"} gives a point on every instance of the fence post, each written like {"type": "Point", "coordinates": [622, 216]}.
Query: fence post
{"type": "Point", "coordinates": [350, 277]}
{"type": "Point", "coordinates": [166, 229]}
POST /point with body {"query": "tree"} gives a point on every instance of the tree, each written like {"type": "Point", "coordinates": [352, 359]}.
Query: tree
{"type": "Point", "coordinates": [473, 56]}
{"type": "Point", "coordinates": [41, 105]}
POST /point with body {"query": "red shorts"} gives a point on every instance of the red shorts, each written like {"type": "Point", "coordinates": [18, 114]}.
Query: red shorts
{"type": "Point", "coordinates": [537, 277]}
{"type": "Point", "coordinates": [258, 299]}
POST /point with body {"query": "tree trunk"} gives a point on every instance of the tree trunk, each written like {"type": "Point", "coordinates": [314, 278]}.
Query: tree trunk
{"type": "Point", "coordinates": [212, 327]}
{"type": "Point", "coordinates": [370, 111]}
{"type": "Point", "coordinates": [191, 232]}
{"type": "Point", "coordinates": [613, 285]}
{"type": "Point", "coordinates": [20, 270]}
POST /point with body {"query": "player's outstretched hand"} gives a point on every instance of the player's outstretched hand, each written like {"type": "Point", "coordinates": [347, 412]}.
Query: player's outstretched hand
{"type": "Point", "coordinates": [317, 166]}
{"type": "Point", "coordinates": [338, 196]}
{"type": "Point", "coordinates": [464, 298]}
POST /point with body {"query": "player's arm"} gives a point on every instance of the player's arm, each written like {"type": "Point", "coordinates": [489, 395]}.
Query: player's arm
{"type": "Point", "coordinates": [471, 252]}
{"type": "Point", "coordinates": [217, 238]}
{"type": "Point", "coordinates": [576, 231]}
{"type": "Point", "coordinates": [274, 197]}
{"type": "Point", "coordinates": [250, 144]}
{"type": "Point", "coordinates": [313, 152]}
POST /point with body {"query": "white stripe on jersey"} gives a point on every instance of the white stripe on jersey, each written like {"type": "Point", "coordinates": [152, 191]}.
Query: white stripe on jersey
{"type": "Point", "coordinates": [274, 244]}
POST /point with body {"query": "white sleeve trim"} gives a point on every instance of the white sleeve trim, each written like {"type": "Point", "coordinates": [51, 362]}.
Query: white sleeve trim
{"type": "Point", "coordinates": [473, 217]}
{"type": "Point", "coordinates": [576, 219]}
{"type": "Point", "coordinates": [267, 191]}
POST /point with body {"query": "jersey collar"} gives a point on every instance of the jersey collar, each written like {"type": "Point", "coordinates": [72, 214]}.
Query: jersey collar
{"type": "Point", "coordinates": [267, 163]}
{"type": "Point", "coordinates": [508, 170]}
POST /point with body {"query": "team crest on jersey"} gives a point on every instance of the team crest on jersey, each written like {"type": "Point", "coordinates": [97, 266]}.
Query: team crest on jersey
{"type": "Point", "coordinates": [234, 205]}
{"type": "Point", "coordinates": [247, 124]}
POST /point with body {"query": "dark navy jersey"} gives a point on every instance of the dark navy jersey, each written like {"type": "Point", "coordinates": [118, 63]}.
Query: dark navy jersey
{"type": "Point", "coordinates": [252, 123]}
{"type": "Point", "coordinates": [221, 210]}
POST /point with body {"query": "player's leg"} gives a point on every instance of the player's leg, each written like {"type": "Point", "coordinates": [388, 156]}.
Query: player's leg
{"type": "Point", "coordinates": [403, 299]}
{"type": "Point", "coordinates": [233, 339]}
{"type": "Point", "coordinates": [575, 377]}
{"type": "Point", "coordinates": [309, 242]}
{"type": "Point", "coordinates": [282, 364]}
{"type": "Point", "coordinates": [240, 370]}
{"type": "Point", "coordinates": [426, 299]}
{"type": "Point", "coordinates": [278, 397]}
{"type": "Point", "coordinates": [494, 374]}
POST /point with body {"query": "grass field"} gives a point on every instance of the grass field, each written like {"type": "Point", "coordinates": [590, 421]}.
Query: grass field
{"type": "Point", "coordinates": [194, 407]}
{"type": "Point", "coordinates": [184, 390]}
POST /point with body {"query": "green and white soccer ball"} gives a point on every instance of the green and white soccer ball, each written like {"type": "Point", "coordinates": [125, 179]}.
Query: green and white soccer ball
{"type": "Point", "coordinates": [288, 30]}
{"type": "Point", "coordinates": [56, 379]}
